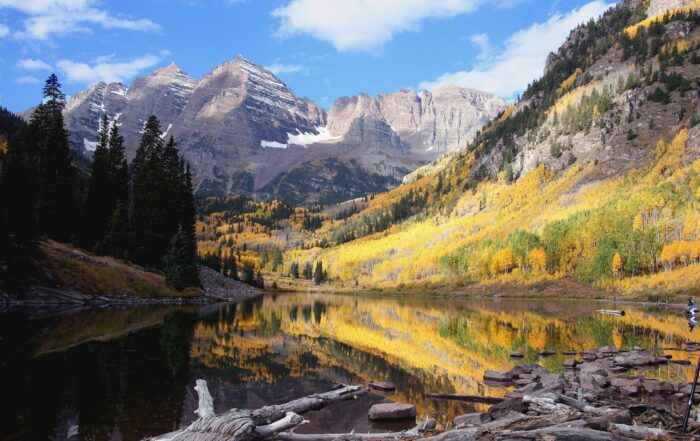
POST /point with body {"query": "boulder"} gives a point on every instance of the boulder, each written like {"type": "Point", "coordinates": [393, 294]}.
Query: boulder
{"type": "Point", "coordinates": [471, 419]}
{"type": "Point", "coordinates": [392, 411]}
{"type": "Point", "coordinates": [491, 375]}
{"type": "Point", "coordinates": [382, 385]}
{"type": "Point", "coordinates": [546, 352]}
{"type": "Point", "coordinates": [517, 355]}
{"type": "Point", "coordinates": [570, 363]}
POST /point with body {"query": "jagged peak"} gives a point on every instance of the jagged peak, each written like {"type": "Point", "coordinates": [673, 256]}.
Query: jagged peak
{"type": "Point", "coordinates": [171, 70]}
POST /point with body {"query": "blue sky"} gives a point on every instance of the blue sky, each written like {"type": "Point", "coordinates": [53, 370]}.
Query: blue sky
{"type": "Point", "coordinates": [322, 49]}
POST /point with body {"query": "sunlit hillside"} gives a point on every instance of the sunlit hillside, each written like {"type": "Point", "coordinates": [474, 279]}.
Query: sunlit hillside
{"type": "Point", "coordinates": [593, 175]}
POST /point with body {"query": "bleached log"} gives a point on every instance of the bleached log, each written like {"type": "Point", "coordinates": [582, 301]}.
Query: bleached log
{"type": "Point", "coordinates": [206, 403]}
{"type": "Point", "coordinates": [637, 432]}
{"type": "Point", "coordinates": [253, 424]}
{"type": "Point", "coordinates": [406, 434]}
{"type": "Point", "coordinates": [546, 404]}
{"type": "Point", "coordinates": [290, 421]}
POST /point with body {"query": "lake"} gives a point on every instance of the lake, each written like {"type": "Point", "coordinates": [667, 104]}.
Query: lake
{"type": "Point", "coordinates": [124, 374]}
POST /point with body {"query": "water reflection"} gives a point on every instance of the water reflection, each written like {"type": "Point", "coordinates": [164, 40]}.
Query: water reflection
{"type": "Point", "coordinates": [126, 374]}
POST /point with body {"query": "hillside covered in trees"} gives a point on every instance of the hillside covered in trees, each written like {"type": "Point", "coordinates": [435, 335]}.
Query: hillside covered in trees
{"type": "Point", "coordinates": [592, 176]}
{"type": "Point", "coordinates": [142, 212]}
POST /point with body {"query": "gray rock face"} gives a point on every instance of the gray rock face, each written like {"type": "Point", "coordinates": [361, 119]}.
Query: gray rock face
{"type": "Point", "coordinates": [657, 7]}
{"type": "Point", "coordinates": [84, 112]}
{"type": "Point", "coordinates": [242, 129]}
{"type": "Point", "coordinates": [429, 124]}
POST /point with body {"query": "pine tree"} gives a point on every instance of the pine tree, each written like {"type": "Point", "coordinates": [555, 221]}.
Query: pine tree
{"type": "Point", "coordinates": [180, 269]}
{"type": "Point", "coordinates": [55, 177]}
{"type": "Point", "coordinates": [294, 270]}
{"type": "Point", "coordinates": [248, 274]}
{"type": "Point", "coordinates": [116, 236]}
{"type": "Point", "coordinates": [148, 239]}
{"type": "Point", "coordinates": [98, 206]}
{"type": "Point", "coordinates": [17, 232]}
{"type": "Point", "coordinates": [318, 273]}
{"type": "Point", "coordinates": [259, 282]}
{"type": "Point", "coordinates": [308, 271]}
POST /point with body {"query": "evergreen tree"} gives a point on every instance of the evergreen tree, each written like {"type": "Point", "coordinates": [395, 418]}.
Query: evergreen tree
{"type": "Point", "coordinates": [98, 206]}
{"type": "Point", "coordinates": [276, 259]}
{"type": "Point", "coordinates": [318, 273]}
{"type": "Point", "coordinates": [17, 232]}
{"type": "Point", "coordinates": [148, 239]}
{"type": "Point", "coordinates": [116, 236]}
{"type": "Point", "coordinates": [248, 274]}
{"type": "Point", "coordinates": [259, 282]}
{"type": "Point", "coordinates": [308, 271]}
{"type": "Point", "coordinates": [55, 177]}
{"type": "Point", "coordinates": [294, 270]}
{"type": "Point", "coordinates": [180, 269]}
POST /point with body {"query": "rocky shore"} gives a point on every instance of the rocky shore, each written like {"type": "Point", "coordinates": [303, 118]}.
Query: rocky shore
{"type": "Point", "coordinates": [215, 288]}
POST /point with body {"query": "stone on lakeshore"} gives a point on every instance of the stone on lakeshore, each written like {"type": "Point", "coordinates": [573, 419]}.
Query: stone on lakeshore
{"type": "Point", "coordinates": [651, 386]}
{"type": "Point", "coordinates": [570, 363]}
{"type": "Point", "coordinates": [392, 411]}
{"type": "Point", "coordinates": [546, 352]}
{"type": "Point", "coordinates": [517, 355]}
{"type": "Point", "coordinates": [522, 382]}
{"type": "Point", "coordinates": [382, 385]}
{"type": "Point", "coordinates": [491, 375]}
{"type": "Point", "coordinates": [569, 352]}
{"type": "Point", "coordinates": [471, 419]}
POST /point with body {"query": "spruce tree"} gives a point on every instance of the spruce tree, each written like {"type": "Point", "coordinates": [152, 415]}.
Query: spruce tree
{"type": "Point", "coordinates": [308, 271]}
{"type": "Point", "coordinates": [179, 266]}
{"type": "Point", "coordinates": [148, 240]}
{"type": "Point", "coordinates": [98, 206]}
{"type": "Point", "coordinates": [17, 232]}
{"type": "Point", "coordinates": [318, 273]}
{"type": "Point", "coordinates": [248, 274]}
{"type": "Point", "coordinates": [55, 177]}
{"type": "Point", "coordinates": [116, 236]}
{"type": "Point", "coordinates": [294, 271]}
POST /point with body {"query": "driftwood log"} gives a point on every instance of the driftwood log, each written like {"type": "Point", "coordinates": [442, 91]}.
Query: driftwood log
{"type": "Point", "coordinates": [466, 398]}
{"type": "Point", "coordinates": [253, 424]}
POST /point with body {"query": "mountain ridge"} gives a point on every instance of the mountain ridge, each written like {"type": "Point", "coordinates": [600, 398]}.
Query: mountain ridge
{"type": "Point", "coordinates": [243, 130]}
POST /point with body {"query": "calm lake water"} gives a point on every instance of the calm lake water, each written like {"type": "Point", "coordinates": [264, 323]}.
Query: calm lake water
{"type": "Point", "coordinates": [124, 374]}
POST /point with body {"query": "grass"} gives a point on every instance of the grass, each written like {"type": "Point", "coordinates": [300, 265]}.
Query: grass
{"type": "Point", "coordinates": [99, 275]}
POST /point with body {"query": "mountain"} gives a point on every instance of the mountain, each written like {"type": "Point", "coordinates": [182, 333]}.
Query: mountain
{"type": "Point", "coordinates": [592, 177]}
{"type": "Point", "coordinates": [244, 131]}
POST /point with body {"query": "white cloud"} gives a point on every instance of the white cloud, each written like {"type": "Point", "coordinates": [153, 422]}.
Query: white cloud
{"type": "Point", "coordinates": [27, 80]}
{"type": "Point", "coordinates": [367, 24]}
{"type": "Point", "coordinates": [33, 64]}
{"type": "Point", "coordinates": [484, 43]}
{"type": "Point", "coordinates": [45, 18]}
{"type": "Point", "coordinates": [4, 31]}
{"type": "Point", "coordinates": [117, 71]}
{"type": "Point", "coordinates": [524, 55]}
{"type": "Point", "coordinates": [279, 68]}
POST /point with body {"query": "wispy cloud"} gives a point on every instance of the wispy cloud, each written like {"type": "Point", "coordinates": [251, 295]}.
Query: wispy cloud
{"type": "Point", "coordinates": [281, 69]}
{"type": "Point", "coordinates": [484, 43]}
{"type": "Point", "coordinates": [108, 71]}
{"type": "Point", "coordinates": [4, 31]}
{"type": "Point", "coordinates": [366, 25]}
{"type": "Point", "coordinates": [45, 18]}
{"type": "Point", "coordinates": [523, 56]}
{"type": "Point", "coordinates": [33, 64]}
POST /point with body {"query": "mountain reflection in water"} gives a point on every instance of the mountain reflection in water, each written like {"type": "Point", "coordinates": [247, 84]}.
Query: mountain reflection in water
{"type": "Point", "coordinates": [124, 374]}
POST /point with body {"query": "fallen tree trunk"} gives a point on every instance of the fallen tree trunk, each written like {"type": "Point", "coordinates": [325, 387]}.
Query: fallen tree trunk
{"type": "Point", "coordinates": [412, 433]}
{"type": "Point", "coordinates": [466, 398]}
{"type": "Point", "coordinates": [637, 432]}
{"type": "Point", "coordinates": [253, 424]}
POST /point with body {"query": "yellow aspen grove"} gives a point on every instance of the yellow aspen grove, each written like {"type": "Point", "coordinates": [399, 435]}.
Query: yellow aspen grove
{"type": "Point", "coordinates": [537, 260]}
{"type": "Point", "coordinates": [617, 264]}
{"type": "Point", "coordinates": [638, 223]}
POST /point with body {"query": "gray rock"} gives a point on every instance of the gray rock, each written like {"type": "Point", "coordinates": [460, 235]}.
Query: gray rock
{"type": "Point", "coordinates": [391, 411]}
{"type": "Point", "coordinates": [471, 419]}
{"type": "Point", "coordinates": [491, 375]}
